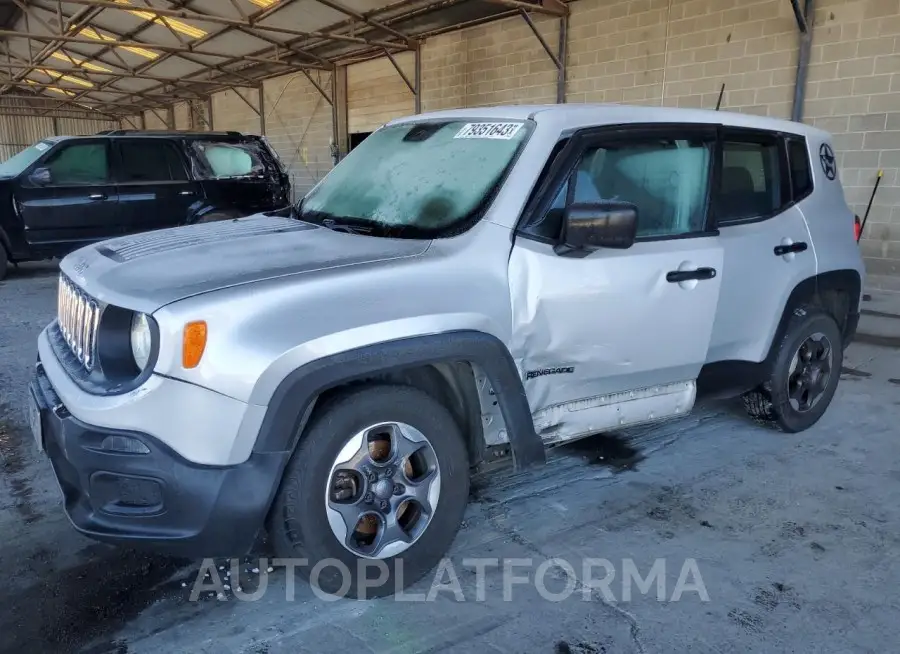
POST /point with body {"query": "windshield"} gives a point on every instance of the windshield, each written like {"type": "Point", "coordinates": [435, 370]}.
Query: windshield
{"type": "Point", "coordinates": [20, 161]}
{"type": "Point", "coordinates": [420, 180]}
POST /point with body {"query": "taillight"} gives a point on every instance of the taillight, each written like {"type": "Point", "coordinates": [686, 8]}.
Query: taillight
{"type": "Point", "coordinates": [857, 228]}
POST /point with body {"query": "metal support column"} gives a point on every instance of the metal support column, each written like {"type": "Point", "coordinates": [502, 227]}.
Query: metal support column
{"type": "Point", "coordinates": [55, 126]}
{"type": "Point", "coordinates": [209, 113]}
{"type": "Point", "coordinates": [805, 25]}
{"type": "Point", "coordinates": [261, 108]}
{"type": "Point", "coordinates": [143, 121]}
{"type": "Point", "coordinates": [563, 55]}
{"type": "Point", "coordinates": [339, 110]}
{"type": "Point", "coordinates": [418, 78]}
{"type": "Point", "coordinates": [559, 57]}
{"type": "Point", "coordinates": [170, 117]}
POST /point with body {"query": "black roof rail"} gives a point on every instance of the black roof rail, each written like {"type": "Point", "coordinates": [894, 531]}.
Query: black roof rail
{"type": "Point", "coordinates": [128, 132]}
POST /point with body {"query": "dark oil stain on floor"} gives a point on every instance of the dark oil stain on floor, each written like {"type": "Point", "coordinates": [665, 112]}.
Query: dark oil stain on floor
{"type": "Point", "coordinates": [610, 450]}
{"type": "Point", "coordinates": [853, 372]}
{"type": "Point", "coordinates": [66, 610]}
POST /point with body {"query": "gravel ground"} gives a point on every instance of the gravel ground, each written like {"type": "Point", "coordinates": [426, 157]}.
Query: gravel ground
{"type": "Point", "coordinates": [794, 539]}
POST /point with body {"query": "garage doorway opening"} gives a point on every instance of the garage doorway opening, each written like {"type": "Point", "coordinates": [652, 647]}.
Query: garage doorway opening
{"type": "Point", "coordinates": [358, 137]}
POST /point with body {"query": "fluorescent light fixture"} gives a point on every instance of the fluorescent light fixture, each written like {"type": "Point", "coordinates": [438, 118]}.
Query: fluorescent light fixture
{"type": "Point", "coordinates": [91, 33]}
{"type": "Point", "coordinates": [265, 4]}
{"type": "Point", "coordinates": [177, 25]}
{"type": "Point", "coordinates": [55, 89]}
{"type": "Point", "coordinates": [75, 61]}
{"type": "Point", "coordinates": [69, 78]}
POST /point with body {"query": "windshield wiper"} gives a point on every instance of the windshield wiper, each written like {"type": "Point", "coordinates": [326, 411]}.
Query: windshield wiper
{"type": "Point", "coordinates": [339, 226]}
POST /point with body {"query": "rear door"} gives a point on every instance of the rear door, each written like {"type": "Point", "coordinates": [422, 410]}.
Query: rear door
{"type": "Point", "coordinates": [77, 206]}
{"type": "Point", "coordinates": [767, 245]}
{"type": "Point", "coordinates": [619, 320]}
{"type": "Point", "coordinates": [154, 188]}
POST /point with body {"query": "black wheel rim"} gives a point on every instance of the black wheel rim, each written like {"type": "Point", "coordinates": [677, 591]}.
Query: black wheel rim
{"type": "Point", "coordinates": [382, 490]}
{"type": "Point", "coordinates": [810, 371]}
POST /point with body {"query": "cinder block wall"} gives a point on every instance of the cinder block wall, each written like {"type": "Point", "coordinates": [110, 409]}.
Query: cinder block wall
{"type": "Point", "coordinates": [298, 125]}
{"type": "Point", "coordinates": [656, 52]}
{"type": "Point", "coordinates": [376, 93]}
{"type": "Point", "coordinates": [230, 112]}
{"type": "Point", "coordinates": [679, 53]}
{"type": "Point", "coordinates": [854, 92]}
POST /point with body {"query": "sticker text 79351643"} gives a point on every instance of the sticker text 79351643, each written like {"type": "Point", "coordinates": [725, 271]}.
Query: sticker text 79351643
{"type": "Point", "coordinates": [502, 131]}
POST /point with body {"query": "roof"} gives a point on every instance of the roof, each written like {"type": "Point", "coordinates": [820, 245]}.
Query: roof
{"type": "Point", "coordinates": [125, 56]}
{"type": "Point", "coordinates": [575, 116]}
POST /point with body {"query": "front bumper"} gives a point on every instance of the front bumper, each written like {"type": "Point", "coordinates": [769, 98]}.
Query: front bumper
{"type": "Point", "coordinates": [155, 499]}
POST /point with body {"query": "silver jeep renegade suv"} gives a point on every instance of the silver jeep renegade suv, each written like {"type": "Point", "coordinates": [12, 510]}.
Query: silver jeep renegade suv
{"type": "Point", "coordinates": [467, 280]}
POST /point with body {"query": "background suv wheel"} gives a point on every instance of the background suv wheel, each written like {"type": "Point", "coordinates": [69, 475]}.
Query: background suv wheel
{"type": "Point", "coordinates": [379, 483]}
{"type": "Point", "coordinates": [804, 375]}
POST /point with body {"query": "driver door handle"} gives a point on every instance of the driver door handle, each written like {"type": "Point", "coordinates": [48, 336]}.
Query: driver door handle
{"type": "Point", "coordinates": [97, 196]}
{"type": "Point", "coordinates": [781, 250]}
{"type": "Point", "coordinates": [185, 193]}
{"type": "Point", "coordinates": [677, 276]}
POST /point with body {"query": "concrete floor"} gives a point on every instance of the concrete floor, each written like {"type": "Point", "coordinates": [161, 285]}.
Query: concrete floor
{"type": "Point", "coordinates": [795, 540]}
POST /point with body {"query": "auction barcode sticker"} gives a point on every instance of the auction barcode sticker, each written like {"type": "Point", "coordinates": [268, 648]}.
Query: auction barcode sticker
{"type": "Point", "coordinates": [503, 131]}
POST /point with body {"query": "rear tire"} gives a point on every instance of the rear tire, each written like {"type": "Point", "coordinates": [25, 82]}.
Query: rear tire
{"type": "Point", "coordinates": [804, 375]}
{"type": "Point", "coordinates": [4, 263]}
{"type": "Point", "coordinates": [335, 453]}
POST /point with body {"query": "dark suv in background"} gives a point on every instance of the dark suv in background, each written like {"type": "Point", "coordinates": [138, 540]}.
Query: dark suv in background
{"type": "Point", "coordinates": [65, 192]}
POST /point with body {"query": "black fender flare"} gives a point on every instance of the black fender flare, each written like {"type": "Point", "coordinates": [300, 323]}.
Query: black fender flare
{"type": "Point", "coordinates": [293, 400]}
{"type": "Point", "coordinates": [846, 280]}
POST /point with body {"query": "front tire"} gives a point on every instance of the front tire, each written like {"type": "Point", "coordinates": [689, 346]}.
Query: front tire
{"type": "Point", "coordinates": [374, 494]}
{"type": "Point", "coordinates": [804, 375]}
{"type": "Point", "coordinates": [4, 263]}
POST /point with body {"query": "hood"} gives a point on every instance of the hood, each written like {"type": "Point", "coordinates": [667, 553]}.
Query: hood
{"type": "Point", "coordinates": [147, 271]}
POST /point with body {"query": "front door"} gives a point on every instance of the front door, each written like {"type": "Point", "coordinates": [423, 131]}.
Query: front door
{"type": "Point", "coordinates": [594, 332]}
{"type": "Point", "coordinates": [78, 204]}
{"type": "Point", "coordinates": [154, 188]}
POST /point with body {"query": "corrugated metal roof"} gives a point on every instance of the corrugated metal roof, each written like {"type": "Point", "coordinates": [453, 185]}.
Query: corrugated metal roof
{"type": "Point", "coordinates": [119, 55]}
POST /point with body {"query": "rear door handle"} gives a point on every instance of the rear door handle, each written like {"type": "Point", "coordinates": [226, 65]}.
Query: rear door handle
{"type": "Point", "coordinates": [185, 193]}
{"type": "Point", "coordinates": [97, 196]}
{"type": "Point", "coordinates": [781, 250]}
{"type": "Point", "coordinates": [676, 276]}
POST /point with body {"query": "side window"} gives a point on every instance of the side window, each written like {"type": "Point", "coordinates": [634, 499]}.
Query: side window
{"type": "Point", "coordinates": [751, 182]}
{"type": "Point", "coordinates": [82, 163]}
{"type": "Point", "coordinates": [150, 161]}
{"type": "Point", "coordinates": [224, 160]}
{"type": "Point", "coordinates": [801, 177]}
{"type": "Point", "coordinates": [667, 179]}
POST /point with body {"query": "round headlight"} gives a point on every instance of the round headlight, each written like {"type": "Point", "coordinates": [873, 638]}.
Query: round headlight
{"type": "Point", "coordinates": [141, 340]}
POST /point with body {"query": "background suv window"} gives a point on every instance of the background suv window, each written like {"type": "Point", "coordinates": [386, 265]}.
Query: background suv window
{"type": "Point", "coordinates": [150, 161]}
{"type": "Point", "coordinates": [84, 163]}
{"type": "Point", "coordinates": [751, 182]}
{"type": "Point", "coordinates": [666, 179]}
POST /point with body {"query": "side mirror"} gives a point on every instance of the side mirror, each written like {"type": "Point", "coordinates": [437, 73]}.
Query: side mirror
{"type": "Point", "coordinates": [607, 224]}
{"type": "Point", "coordinates": [40, 176]}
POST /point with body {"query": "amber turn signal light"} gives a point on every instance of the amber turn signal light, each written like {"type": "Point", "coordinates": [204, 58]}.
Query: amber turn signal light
{"type": "Point", "coordinates": [194, 343]}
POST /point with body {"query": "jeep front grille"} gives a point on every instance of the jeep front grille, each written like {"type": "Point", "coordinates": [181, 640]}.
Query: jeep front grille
{"type": "Point", "coordinates": [79, 317]}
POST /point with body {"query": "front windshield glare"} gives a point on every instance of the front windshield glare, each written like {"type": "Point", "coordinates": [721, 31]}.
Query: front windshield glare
{"type": "Point", "coordinates": [424, 176]}
{"type": "Point", "coordinates": [20, 161]}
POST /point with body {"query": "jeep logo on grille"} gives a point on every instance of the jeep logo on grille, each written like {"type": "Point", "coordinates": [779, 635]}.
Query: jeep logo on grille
{"type": "Point", "coordinates": [79, 266]}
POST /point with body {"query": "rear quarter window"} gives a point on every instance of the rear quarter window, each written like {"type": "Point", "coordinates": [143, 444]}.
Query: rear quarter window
{"type": "Point", "coordinates": [801, 175]}
{"type": "Point", "coordinates": [223, 160]}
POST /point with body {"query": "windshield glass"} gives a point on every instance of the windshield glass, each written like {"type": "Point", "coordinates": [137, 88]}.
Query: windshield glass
{"type": "Point", "coordinates": [21, 160]}
{"type": "Point", "coordinates": [420, 180]}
